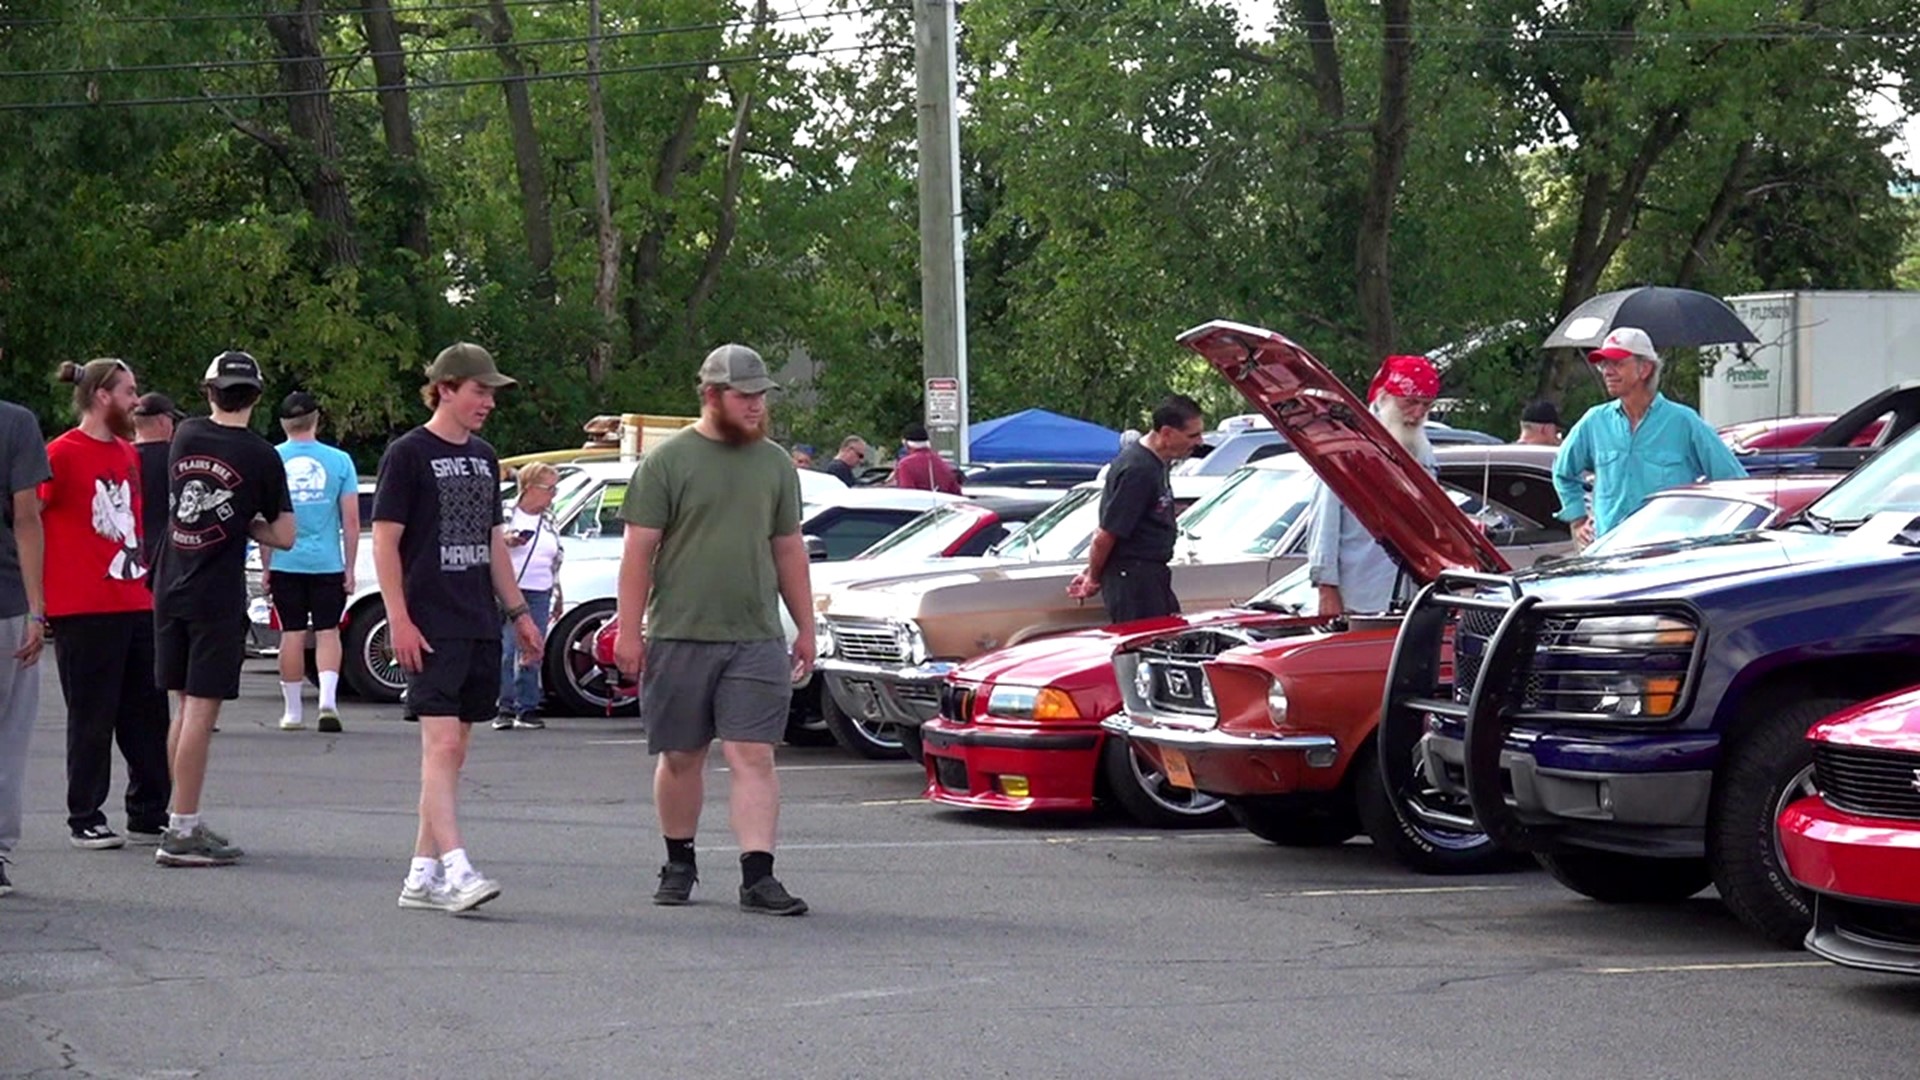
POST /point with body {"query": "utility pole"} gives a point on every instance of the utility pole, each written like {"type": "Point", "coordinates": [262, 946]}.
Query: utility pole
{"type": "Point", "coordinates": [943, 291]}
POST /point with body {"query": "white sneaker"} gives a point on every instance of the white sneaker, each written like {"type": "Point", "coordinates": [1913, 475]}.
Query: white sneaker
{"type": "Point", "coordinates": [471, 893]}
{"type": "Point", "coordinates": [433, 896]}
{"type": "Point", "coordinates": [290, 722]}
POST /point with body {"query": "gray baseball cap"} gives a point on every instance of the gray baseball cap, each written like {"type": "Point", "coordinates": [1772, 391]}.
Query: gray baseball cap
{"type": "Point", "coordinates": [738, 367]}
{"type": "Point", "coordinates": [465, 360]}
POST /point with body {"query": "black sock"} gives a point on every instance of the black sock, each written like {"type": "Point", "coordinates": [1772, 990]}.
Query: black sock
{"type": "Point", "coordinates": [680, 851]}
{"type": "Point", "coordinates": [755, 867]}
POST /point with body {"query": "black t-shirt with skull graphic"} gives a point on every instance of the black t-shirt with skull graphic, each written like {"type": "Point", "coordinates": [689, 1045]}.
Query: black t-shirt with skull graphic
{"type": "Point", "coordinates": [219, 479]}
{"type": "Point", "coordinates": [446, 498]}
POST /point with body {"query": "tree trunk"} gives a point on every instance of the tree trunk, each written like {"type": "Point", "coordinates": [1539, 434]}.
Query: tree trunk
{"type": "Point", "coordinates": [729, 209]}
{"type": "Point", "coordinates": [1325, 79]}
{"type": "Point", "coordinates": [390, 67]}
{"type": "Point", "coordinates": [1729, 197]}
{"type": "Point", "coordinates": [529, 165]}
{"type": "Point", "coordinates": [303, 76]}
{"type": "Point", "coordinates": [606, 278]}
{"type": "Point", "coordinates": [642, 333]}
{"type": "Point", "coordinates": [1391, 133]}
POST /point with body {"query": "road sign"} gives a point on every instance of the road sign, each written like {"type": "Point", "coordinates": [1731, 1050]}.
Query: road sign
{"type": "Point", "coordinates": [943, 404]}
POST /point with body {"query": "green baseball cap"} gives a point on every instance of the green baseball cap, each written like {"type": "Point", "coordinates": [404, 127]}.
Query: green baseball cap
{"type": "Point", "coordinates": [465, 360]}
{"type": "Point", "coordinates": [738, 367]}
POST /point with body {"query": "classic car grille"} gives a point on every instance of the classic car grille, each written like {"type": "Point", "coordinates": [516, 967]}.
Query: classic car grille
{"type": "Point", "coordinates": [866, 642]}
{"type": "Point", "coordinates": [956, 703]}
{"type": "Point", "coordinates": [1877, 783]}
{"type": "Point", "coordinates": [1180, 687]}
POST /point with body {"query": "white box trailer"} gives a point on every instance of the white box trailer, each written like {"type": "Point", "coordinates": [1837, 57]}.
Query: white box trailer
{"type": "Point", "coordinates": [1819, 352]}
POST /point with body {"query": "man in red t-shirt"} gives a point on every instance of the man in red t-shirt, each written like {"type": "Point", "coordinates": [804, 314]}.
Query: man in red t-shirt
{"type": "Point", "coordinates": [101, 612]}
{"type": "Point", "coordinates": [921, 466]}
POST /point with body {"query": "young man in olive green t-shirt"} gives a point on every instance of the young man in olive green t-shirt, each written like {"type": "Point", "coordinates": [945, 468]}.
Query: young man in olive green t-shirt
{"type": "Point", "coordinates": [712, 546]}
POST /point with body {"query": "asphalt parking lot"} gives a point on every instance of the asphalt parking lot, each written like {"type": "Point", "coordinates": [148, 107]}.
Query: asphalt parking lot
{"type": "Point", "coordinates": [940, 942]}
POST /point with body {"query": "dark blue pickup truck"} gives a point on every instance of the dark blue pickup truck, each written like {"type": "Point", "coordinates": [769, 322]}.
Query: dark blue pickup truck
{"type": "Point", "coordinates": [1638, 720]}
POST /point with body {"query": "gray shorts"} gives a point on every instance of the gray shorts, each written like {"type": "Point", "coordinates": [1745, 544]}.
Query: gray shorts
{"type": "Point", "coordinates": [695, 691]}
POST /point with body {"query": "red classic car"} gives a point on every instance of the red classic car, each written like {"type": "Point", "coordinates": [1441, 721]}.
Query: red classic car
{"type": "Point", "coordinates": [1856, 844]}
{"type": "Point", "coordinates": [1019, 728]}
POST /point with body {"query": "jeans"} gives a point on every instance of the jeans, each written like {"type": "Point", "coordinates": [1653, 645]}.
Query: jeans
{"type": "Point", "coordinates": [520, 682]}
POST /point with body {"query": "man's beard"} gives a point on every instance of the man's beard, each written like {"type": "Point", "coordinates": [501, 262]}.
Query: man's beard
{"type": "Point", "coordinates": [735, 433]}
{"type": "Point", "coordinates": [119, 420]}
{"type": "Point", "coordinates": [1411, 434]}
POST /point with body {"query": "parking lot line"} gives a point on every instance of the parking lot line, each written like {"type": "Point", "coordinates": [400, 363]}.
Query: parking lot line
{"type": "Point", "coordinates": [1661, 969]}
{"type": "Point", "coordinates": [1418, 890]}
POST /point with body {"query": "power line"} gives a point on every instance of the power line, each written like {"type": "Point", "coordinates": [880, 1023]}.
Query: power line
{"type": "Point", "coordinates": [256, 16]}
{"type": "Point", "coordinates": [354, 57]}
{"type": "Point", "coordinates": [449, 84]}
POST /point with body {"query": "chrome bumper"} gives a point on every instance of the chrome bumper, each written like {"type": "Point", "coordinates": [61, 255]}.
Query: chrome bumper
{"type": "Point", "coordinates": [907, 697]}
{"type": "Point", "coordinates": [1193, 739]}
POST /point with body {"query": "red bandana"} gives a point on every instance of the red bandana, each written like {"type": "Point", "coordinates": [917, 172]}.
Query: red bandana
{"type": "Point", "coordinates": [1405, 376]}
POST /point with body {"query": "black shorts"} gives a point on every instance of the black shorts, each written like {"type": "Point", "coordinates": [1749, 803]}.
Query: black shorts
{"type": "Point", "coordinates": [307, 601]}
{"type": "Point", "coordinates": [1137, 590]}
{"type": "Point", "coordinates": [200, 657]}
{"type": "Point", "coordinates": [460, 678]}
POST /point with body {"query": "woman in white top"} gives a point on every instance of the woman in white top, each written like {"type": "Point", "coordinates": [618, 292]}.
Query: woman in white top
{"type": "Point", "coordinates": [533, 550]}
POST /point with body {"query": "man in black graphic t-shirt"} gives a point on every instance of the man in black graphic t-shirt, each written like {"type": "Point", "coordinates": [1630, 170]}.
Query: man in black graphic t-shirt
{"type": "Point", "coordinates": [442, 561]}
{"type": "Point", "coordinates": [226, 484]}
{"type": "Point", "coordinates": [1127, 561]}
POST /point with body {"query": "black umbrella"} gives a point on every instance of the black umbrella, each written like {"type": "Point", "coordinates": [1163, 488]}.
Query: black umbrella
{"type": "Point", "coordinates": [1673, 318]}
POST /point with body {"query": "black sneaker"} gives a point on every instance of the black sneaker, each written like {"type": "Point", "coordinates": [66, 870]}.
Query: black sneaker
{"type": "Point", "coordinates": [6, 886]}
{"type": "Point", "coordinates": [768, 897]}
{"type": "Point", "coordinates": [96, 838]}
{"type": "Point", "coordinates": [529, 721]}
{"type": "Point", "coordinates": [503, 722]}
{"type": "Point", "coordinates": [676, 884]}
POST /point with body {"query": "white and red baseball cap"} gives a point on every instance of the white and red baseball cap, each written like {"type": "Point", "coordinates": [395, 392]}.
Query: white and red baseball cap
{"type": "Point", "coordinates": [1625, 343]}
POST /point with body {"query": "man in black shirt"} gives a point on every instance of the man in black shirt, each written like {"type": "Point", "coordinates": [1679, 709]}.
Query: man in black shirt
{"type": "Point", "coordinates": [153, 422]}
{"type": "Point", "coordinates": [853, 453]}
{"type": "Point", "coordinates": [1127, 562]}
{"type": "Point", "coordinates": [226, 484]}
{"type": "Point", "coordinates": [441, 555]}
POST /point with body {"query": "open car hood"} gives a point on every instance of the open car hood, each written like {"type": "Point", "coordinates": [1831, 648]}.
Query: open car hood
{"type": "Point", "coordinates": [1340, 439]}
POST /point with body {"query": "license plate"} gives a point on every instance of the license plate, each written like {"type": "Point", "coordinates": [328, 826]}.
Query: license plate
{"type": "Point", "coordinates": [1178, 774]}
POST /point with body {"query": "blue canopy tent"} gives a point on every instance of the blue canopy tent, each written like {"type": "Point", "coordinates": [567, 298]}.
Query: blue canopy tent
{"type": "Point", "coordinates": [1039, 435]}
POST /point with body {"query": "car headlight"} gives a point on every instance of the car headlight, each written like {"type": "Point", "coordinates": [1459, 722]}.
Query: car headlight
{"type": "Point", "coordinates": [1634, 632]}
{"type": "Point", "coordinates": [1277, 703]}
{"type": "Point", "coordinates": [911, 643]}
{"type": "Point", "coordinates": [1143, 681]}
{"type": "Point", "coordinates": [822, 639]}
{"type": "Point", "coordinates": [1031, 703]}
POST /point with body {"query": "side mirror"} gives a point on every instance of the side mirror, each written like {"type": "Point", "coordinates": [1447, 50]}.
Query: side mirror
{"type": "Point", "coordinates": [816, 549]}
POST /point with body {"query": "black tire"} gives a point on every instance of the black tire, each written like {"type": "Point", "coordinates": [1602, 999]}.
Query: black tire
{"type": "Point", "coordinates": [367, 665]}
{"type": "Point", "coordinates": [911, 742]}
{"type": "Point", "coordinates": [1414, 843]}
{"type": "Point", "coordinates": [1768, 765]}
{"type": "Point", "coordinates": [1146, 796]}
{"type": "Point", "coordinates": [1613, 878]}
{"type": "Point", "coordinates": [805, 727]}
{"type": "Point", "coordinates": [1297, 821]}
{"type": "Point", "coordinates": [877, 742]}
{"type": "Point", "coordinates": [567, 669]}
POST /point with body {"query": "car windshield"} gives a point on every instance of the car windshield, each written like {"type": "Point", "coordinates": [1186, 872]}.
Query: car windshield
{"type": "Point", "coordinates": [1680, 517]}
{"type": "Point", "coordinates": [1058, 532]}
{"type": "Point", "coordinates": [1889, 481]}
{"type": "Point", "coordinates": [568, 491]}
{"type": "Point", "coordinates": [1250, 515]}
{"type": "Point", "coordinates": [928, 536]}
{"type": "Point", "coordinates": [1293, 593]}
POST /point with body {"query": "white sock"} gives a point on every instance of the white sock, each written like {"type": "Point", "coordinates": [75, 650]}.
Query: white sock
{"type": "Point", "coordinates": [329, 689]}
{"type": "Point", "coordinates": [456, 864]}
{"type": "Point", "coordinates": [424, 871]}
{"type": "Point", "coordinates": [183, 823]}
{"type": "Point", "coordinates": [291, 692]}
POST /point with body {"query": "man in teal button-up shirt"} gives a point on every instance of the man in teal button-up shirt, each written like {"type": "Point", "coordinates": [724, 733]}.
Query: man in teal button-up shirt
{"type": "Point", "coordinates": [1634, 445]}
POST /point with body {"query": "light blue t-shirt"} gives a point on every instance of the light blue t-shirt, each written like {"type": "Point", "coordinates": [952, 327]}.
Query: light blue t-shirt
{"type": "Point", "coordinates": [1671, 446]}
{"type": "Point", "coordinates": [318, 476]}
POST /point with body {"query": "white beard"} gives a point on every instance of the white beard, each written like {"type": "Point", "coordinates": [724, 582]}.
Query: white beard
{"type": "Point", "coordinates": [1410, 434]}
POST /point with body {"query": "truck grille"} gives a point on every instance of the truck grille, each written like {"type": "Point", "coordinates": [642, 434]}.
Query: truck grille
{"type": "Point", "coordinates": [1472, 630]}
{"type": "Point", "coordinates": [866, 642]}
{"type": "Point", "coordinates": [1568, 674]}
{"type": "Point", "coordinates": [1875, 783]}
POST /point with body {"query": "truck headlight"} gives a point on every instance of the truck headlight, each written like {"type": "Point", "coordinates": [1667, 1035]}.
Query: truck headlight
{"type": "Point", "coordinates": [1031, 703]}
{"type": "Point", "coordinates": [1277, 703]}
{"type": "Point", "coordinates": [1631, 632]}
{"type": "Point", "coordinates": [822, 639]}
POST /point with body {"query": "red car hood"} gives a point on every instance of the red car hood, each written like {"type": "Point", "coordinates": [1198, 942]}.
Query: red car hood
{"type": "Point", "coordinates": [1391, 494]}
{"type": "Point", "coordinates": [1887, 723]}
{"type": "Point", "coordinates": [1053, 661]}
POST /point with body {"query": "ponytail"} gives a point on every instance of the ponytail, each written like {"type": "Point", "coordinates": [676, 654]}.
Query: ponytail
{"type": "Point", "coordinates": [89, 378]}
